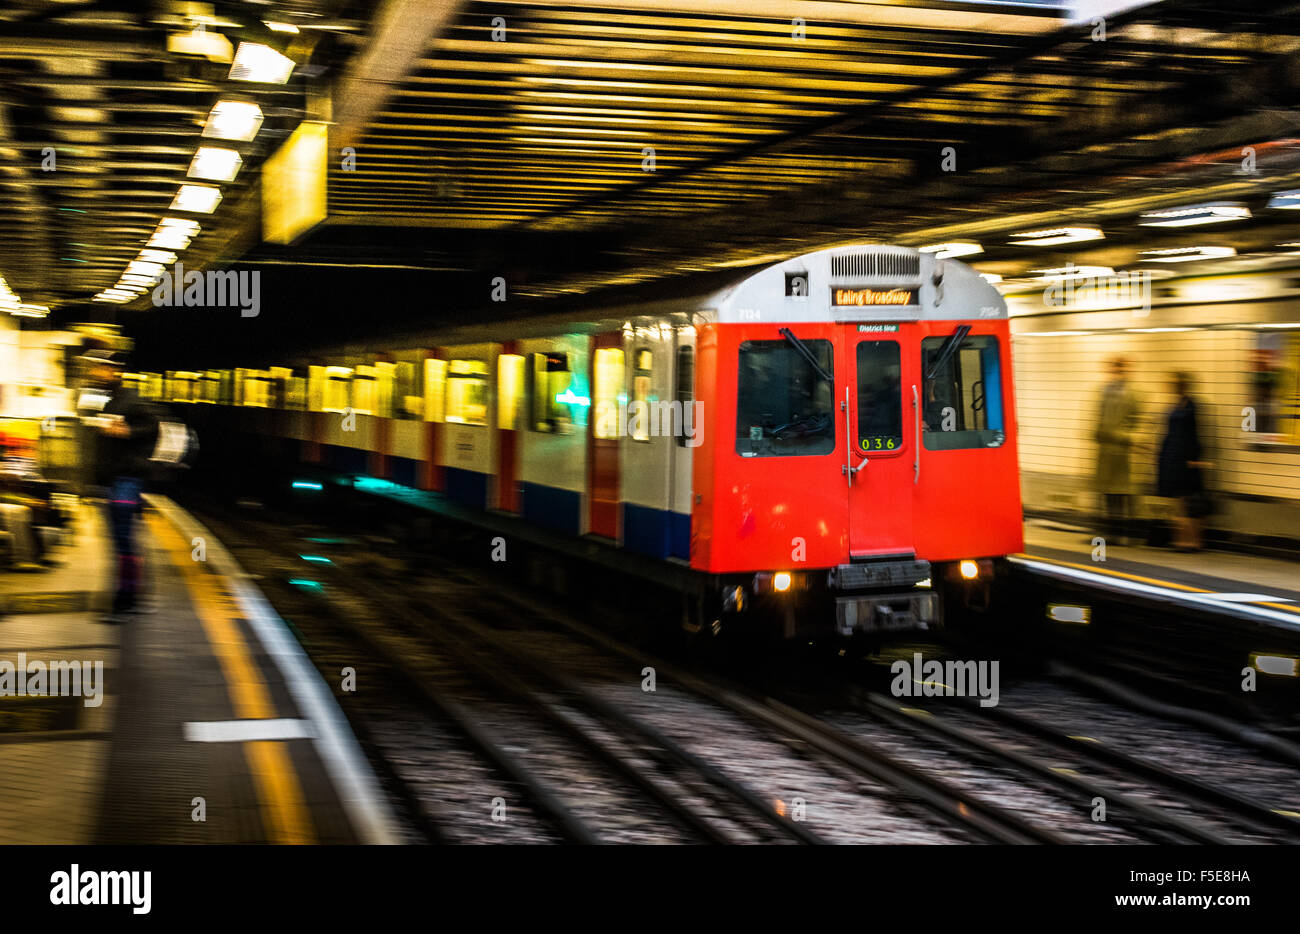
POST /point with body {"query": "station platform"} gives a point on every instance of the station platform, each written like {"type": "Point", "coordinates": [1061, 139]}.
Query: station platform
{"type": "Point", "coordinates": [1264, 589]}
{"type": "Point", "coordinates": [198, 721]}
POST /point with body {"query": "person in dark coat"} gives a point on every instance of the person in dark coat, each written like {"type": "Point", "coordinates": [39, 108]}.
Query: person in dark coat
{"type": "Point", "coordinates": [128, 433]}
{"type": "Point", "coordinates": [1179, 469]}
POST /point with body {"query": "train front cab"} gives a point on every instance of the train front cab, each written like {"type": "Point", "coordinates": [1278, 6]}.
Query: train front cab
{"type": "Point", "coordinates": [863, 455]}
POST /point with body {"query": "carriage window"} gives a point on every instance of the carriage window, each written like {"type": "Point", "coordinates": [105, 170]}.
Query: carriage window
{"type": "Point", "coordinates": [408, 398]}
{"type": "Point", "coordinates": [510, 391]}
{"type": "Point", "coordinates": [784, 406]}
{"type": "Point", "coordinates": [609, 394]}
{"type": "Point", "coordinates": [435, 388]}
{"type": "Point", "coordinates": [962, 403]}
{"type": "Point", "coordinates": [685, 384]}
{"type": "Point", "coordinates": [365, 390]}
{"type": "Point", "coordinates": [880, 409]}
{"type": "Point", "coordinates": [641, 384]}
{"type": "Point", "coordinates": [550, 393]}
{"type": "Point", "coordinates": [295, 393]}
{"type": "Point", "coordinates": [467, 392]}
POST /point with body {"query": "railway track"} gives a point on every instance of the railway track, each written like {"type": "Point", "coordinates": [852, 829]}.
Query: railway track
{"type": "Point", "coordinates": [492, 658]}
{"type": "Point", "coordinates": [1034, 784]}
{"type": "Point", "coordinates": [1152, 803]}
{"type": "Point", "coordinates": [698, 801]}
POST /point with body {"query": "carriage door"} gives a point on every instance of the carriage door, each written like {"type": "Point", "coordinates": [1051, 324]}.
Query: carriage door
{"type": "Point", "coordinates": [878, 412]}
{"type": "Point", "coordinates": [603, 441]}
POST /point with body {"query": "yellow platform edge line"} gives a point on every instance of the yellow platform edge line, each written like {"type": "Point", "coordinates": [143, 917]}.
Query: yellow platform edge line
{"type": "Point", "coordinates": [284, 811]}
{"type": "Point", "coordinates": [1096, 570]}
{"type": "Point", "coordinates": [1290, 608]}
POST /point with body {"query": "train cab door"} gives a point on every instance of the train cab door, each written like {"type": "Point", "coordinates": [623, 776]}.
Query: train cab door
{"type": "Point", "coordinates": [877, 409]}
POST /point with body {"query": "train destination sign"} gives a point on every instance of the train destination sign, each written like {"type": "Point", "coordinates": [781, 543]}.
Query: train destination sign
{"type": "Point", "coordinates": [874, 297]}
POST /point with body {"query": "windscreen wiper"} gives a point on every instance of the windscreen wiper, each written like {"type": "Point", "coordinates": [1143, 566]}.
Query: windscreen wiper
{"type": "Point", "coordinates": [950, 347]}
{"type": "Point", "coordinates": [808, 354]}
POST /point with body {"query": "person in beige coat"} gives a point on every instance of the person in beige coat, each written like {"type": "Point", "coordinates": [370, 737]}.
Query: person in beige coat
{"type": "Point", "coordinates": [1118, 422]}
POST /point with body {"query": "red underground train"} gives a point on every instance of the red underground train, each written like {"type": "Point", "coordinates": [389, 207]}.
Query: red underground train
{"type": "Point", "coordinates": [832, 436]}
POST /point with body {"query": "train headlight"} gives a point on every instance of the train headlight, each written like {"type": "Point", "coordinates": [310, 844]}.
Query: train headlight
{"type": "Point", "coordinates": [781, 581]}
{"type": "Point", "coordinates": [969, 570]}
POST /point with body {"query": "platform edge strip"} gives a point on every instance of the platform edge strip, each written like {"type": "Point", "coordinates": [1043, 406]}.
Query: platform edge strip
{"type": "Point", "coordinates": [339, 751]}
{"type": "Point", "coordinates": [1201, 599]}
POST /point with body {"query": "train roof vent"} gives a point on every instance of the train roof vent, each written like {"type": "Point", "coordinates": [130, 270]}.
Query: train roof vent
{"type": "Point", "coordinates": [875, 264]}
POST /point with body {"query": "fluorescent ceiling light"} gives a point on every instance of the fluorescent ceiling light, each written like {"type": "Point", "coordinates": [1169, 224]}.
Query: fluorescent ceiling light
{"type": "Point", "coordinates": [211, 45]}
{"type": "Point", "coordinates": [166, 257]}
{"type": "Point", "coordinates": [197, 199]}
{"type": "Point", "coordinates": [280, 27]}
{"type": "Point", "coordinates": [949, 250]}
{"type": "Point", "coordinates": [1057, 235]}
{"type": "Point", "coordinates": [1186, 254]}
{"type": "Point", "coordinates": [170, 238]}
{"type": "Point", "coordinates": [992, 278]}
{"type": "Point", "coordinates": [184, 223]}
{"type": "Point", "coordinates": [144, 269]}
{"type": "Point", "coordinates": [233, 120]}
{"type": "Point", "coordinates": [1213, 212]}
{"type": "Point", "coordinates": [32, 311]}
{"type": "Point", "coordinates": [215, 164]}
{"type": "Point", "coordinates": [257, 62]}
{"type": "Point", "coordinates": [1074, 272]}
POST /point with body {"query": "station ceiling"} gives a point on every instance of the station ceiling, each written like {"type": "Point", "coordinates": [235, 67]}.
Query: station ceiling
{"type": "Point", "coordinates": [567, 146]}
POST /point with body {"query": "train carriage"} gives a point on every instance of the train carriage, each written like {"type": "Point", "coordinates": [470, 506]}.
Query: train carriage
{"type": "Point", "coordinates": [835, 432]}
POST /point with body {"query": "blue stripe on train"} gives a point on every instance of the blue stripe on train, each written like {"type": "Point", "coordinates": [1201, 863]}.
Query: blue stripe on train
{"type": "Point", "coordinates": [346, 460]}
{"type": "Point", "coordinates": [552, 507]}
{"type": "Point", "coordinates": [467, 487]}
{"type": "Point", "coordinates": [659, 533]}
{"type": "Point", "coordinates": [404, 470]}
{"type": "Point", "coordinates": [681, 535]}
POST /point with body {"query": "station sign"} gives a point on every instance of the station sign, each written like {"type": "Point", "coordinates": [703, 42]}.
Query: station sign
{"type": "Point", "coordinates": [294, 184]}
{"type": "Point", "coordinates": [872, 297]}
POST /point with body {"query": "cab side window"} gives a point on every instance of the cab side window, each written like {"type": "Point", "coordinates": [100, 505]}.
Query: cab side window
{"type": "Point", "coordinates": [961, 403]}
{"type": "Point", "coordinates": [784, 406]}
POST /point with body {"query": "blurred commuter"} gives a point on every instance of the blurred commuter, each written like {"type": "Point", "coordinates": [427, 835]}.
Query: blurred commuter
{"type": "Point", "coordinates": [19, 538]}
{"type": "Point", "coordinates": [1118, 419]}
{"type": "Point", "coordinates": [1179, 470]}
{"type": "Point", "coordinates": [128, 434]}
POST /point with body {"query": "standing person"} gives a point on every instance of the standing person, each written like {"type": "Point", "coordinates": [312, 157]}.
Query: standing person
{"type": "Point", "coordinates": [128, 433]}
{"type": "Point", "coordinates": [1178, 472]}
{"type": "Point", "coordinates": [1118, 418]}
